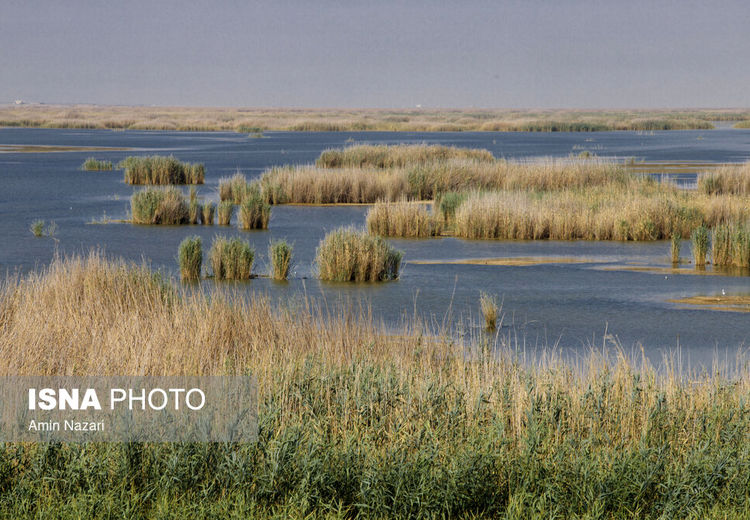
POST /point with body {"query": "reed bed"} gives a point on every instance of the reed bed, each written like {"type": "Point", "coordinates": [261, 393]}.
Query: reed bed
{"type": "Point", "coordinates": [158, 169]}
{"type": "Point", "coordinates": [311, 185]}
{"type": "Point", "coordinates": [730, 245]}
{"type": "Point", "coordinates": [674, 248]}
{"type": "Point", "coordinates": [490, 310]}
{"type": "Point", "coordinates": [402, 219]}
{"type": "Point", "coordinates": [167, 206]}
{"type": "Point", "coordinates": [94, 164]}
{"type": "Point", "coordinates": [349, 255]}
{"type": "Point", "coordinates": [356, 421]}
{"type": "Point", "coordinates": [726, 179]}
{"type": "Point", "coordinates": [280, 257]}
{"type": "Point", "coordinates": [393, 156]}
{"type": "Point", "coordinates": [190, 257]}
{"type": "Point", "coordinates": [231, 259]}
{"type": "Point", "coordinates": [594, 214]}
{"type": "Point", "coordinates": [343, 120]}
{"type": "Point", "coordinates": [195, 209]}
{"type": "Point", "coordinates": [254, 212]}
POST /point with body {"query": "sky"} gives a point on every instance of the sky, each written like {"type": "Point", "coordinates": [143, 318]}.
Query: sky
{"type": "Point", "coordinates": [377, 54]}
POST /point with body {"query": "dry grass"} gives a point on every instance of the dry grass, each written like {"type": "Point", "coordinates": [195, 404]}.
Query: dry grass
{"type": "Point", "coordinates": [280, 257]}
{"type": "Point", "coordinates": [348, 255]}
{"type": "Point", "coordinates": [231, 259]}
{"type": "Point", "coordinates": [160, 206]}
{"type": "Point", "coordinates": [233, 189]}
{"type": "Point", "coordinates": [158, 169]}
{"type": "Point", "coordinates": [385, 156]}
{"type": "Point", "coordinates": [335, 120]}
{"type": "Point", "coordinates": [726, 179]}
{"type": "Point", "coordinates": [402, 219]}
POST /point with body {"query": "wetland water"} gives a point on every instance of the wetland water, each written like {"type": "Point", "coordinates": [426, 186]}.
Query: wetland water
{"type": "Point", "coordinates": [571, 305]}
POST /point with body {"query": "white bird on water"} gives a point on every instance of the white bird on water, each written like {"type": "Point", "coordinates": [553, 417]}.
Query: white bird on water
{"type": "Point", "coordinates": [723, 292]}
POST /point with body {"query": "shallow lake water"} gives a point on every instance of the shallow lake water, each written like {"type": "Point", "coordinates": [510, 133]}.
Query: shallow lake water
{"type": "Point", "coordinates": [603, 291]}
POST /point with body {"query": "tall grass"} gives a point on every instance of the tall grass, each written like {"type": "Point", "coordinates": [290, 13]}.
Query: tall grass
{"type": "Point", "coordinates": [158, 169]}
{"type": "Point", "coordinates": [37, 228]}
{"type": "Point", "coordinates": [700, 239]}
{"type": "Point", "coordinates": [231, 259]}
{"type": "Point", "coordinates": [490, 310]}
{"type": "Point", "coordinates": [726, 179]}
{"type": "Point", "coordinates": [159, 206]}
{"type": "Point", "coordinates": [674, 250]}
{"type": "Point", "coordinates": [357, 420]}
{"type": "Point", "coordinates": [280, 257]}
{"type": "Point", "coordinates": [233, 189]}
{"type": "Point", "coordinates": [207, 213]}
{"type": "Point", "coordinates": [254, 212]}
{"type": "Point", "coordinates": [190, 256]}
{"type": "Point", "coordinates": [306, 184]}
{"type": "Point", "coordinates": [382, 156]}
{"type": "Point", "coordinates": [93, 164]}
{"type": "Point", "coordinates": [348, 255]}
{"type": "Point", "coordinates": [448, 203]}
{"type": "Point", "coordinates": [402, 219]}
{"type": "Point", "coordinates": [195, 209]}
{"type": "Point", "coordinates": [225, 212]}
{"type": "Point", "coordinates": [730, 245]}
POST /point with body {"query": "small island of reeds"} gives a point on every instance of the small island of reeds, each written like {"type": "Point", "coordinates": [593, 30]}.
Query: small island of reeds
{"type": "Point", "coordinates": [158, 169]}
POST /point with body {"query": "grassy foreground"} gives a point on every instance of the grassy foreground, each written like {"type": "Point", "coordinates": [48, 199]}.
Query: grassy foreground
{"type": "Point", "coordinates": [356, 421]}
{"type": "Point", "coordinates": [255, 120]}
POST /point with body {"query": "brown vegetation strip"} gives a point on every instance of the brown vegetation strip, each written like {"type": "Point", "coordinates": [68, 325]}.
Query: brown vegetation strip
{"type": "Point", "coordinates": [732, 303]}
{"type": "Point", "coordinates": [510, 261]}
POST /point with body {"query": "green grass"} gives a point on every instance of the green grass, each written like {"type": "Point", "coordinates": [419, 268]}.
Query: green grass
{"type": "Point", "coordinates": [254, 212]}
{"type": "Point", "coordinates": [701, 240]}
{"type": "Point", "coordinates": [195, 209]}
{"type": "Point", "coordinates": [348, 255]}
{"type": "Point", "coordinates": [382, 156]}
{"type": "Point", "coordinates": [93, 164]}
{"type": "Point", "coordinates": [37, 228]}
{"type": "Point", "coordinates": [280, 257]}
{"type": "Point", "coordinates": [159, 206]}
{"type": "Point", "coordinates": [190, 256]}
{"type": "Point", "coordinates": [448, 203]}
{"type": "Point", "coordinates": [231, 259]}
{"type": "Point", "coordinates": [225, 212]}
{"type": "Point", "coordinates": [730, 245]}
{"type": "Point", "coordinates": [158, 169]}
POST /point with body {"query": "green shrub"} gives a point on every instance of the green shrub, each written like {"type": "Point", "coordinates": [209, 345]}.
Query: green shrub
{"type": "Point", "coordinates": [231, 259]}
{"type": "Point", "coordinates": [190, 256]}
{"type": "Point", "coordinates": [348, 255]}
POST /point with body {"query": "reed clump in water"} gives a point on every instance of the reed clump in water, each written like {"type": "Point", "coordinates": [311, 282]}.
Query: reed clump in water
{"type": "Point", "coordinates": [254, 211]}
{"type": "Point", "coordinates": [190, 256]}
{"type": "Point", "coordinates": [159, 206]}
{"type": "Point", "coordinates": [674, 248]}
{"type": "Point", "coordinates": [727, 179]}
{"type": "Point", "coordinates": [360, 421]}
{"type": "Point", "coordinates": [383, 156]}
{"type": "Point", "coordinates": [701, 241]}
{"type": "Point", "coordinates": [37, 228]}
{"type": "Point", "coordinates": [730, 245]}
{"type": "Point", "coordinates": [93, 164]}
{"type": "Point", "coordinates": [225, 212]}
{"type": "Point", "coordinates": [233, 189]}
{"type": "Point", "coordinates": [231, 259]}
{"type": "Point", "coordinates": [158, 169]}
{"type": "Point", "coordinates": [349, 255]}
{"type": "Point", "coordinates": [490, 310]}
{"type": "Point", "coordinates": [402, 219]}
{"type": "Point", "coordinates": [207, 213]}
{"type": "Point", "coordinates": [280, 257]}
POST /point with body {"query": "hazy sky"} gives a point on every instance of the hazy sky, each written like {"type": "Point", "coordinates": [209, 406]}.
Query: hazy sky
{"type": "Point", "coordinates": [377, 53]}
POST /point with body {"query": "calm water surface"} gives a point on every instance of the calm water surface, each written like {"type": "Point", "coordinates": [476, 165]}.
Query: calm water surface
{"type": "Point", "coordinates": [570, 305]}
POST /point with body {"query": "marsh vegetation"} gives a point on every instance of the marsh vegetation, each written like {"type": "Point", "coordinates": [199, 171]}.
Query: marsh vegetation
{"type": "Point", "coordinates": [158, 169]}
{"type": "Point", "coordinates": [349, 255]}
{"type": "Point", "coordinates": [359, 421]}
{"type": "Point", "coordinates": [94, 164]}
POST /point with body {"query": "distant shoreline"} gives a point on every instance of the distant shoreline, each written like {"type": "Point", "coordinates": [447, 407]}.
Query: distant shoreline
{"type": "Point", "coordinates": [257, 120]}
